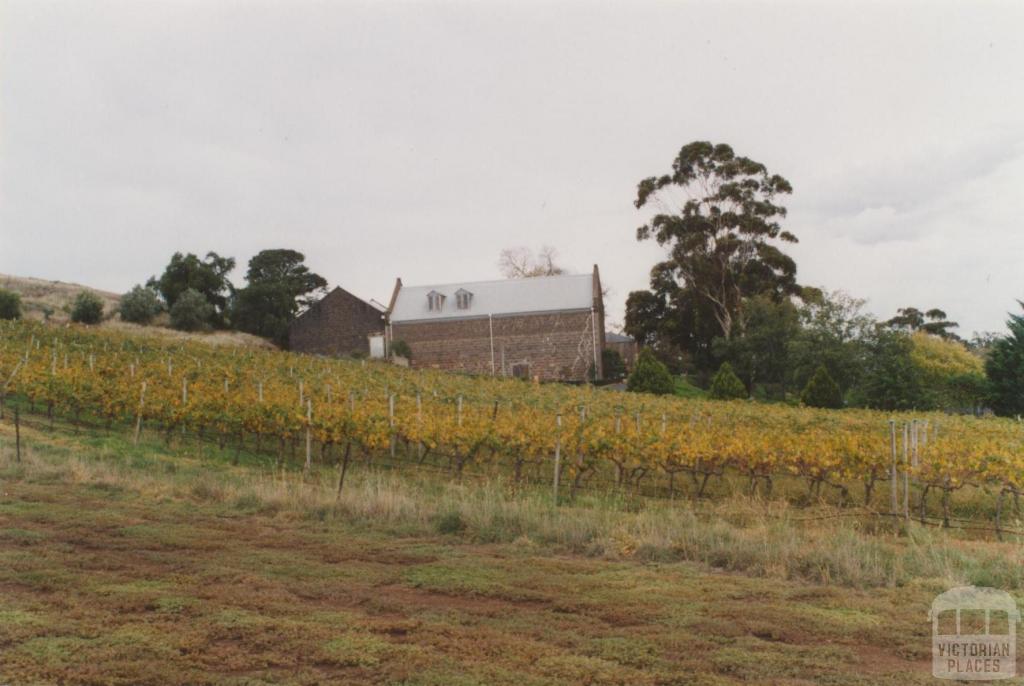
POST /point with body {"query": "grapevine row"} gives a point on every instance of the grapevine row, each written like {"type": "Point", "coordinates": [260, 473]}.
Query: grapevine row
{"type": "Point", "coordinates": [345, 404]}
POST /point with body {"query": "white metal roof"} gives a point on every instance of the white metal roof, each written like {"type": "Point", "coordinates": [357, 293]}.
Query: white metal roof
{"type": "Point", "coordinates": [508, 296]}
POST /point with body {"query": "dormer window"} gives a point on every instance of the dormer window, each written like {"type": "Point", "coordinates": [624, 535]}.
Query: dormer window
{"type": "Point", "coordinates": [463, 298]}
{"type": "Point", "coordinates": [435, 301]}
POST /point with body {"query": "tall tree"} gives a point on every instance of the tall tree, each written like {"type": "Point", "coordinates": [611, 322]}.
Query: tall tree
{"type": "Point", "coordinates": [279, 286]}
{"type": "Point", "coordinates": [719, 220]}
{"type": "Point", "coordinates": [890, 380]}
{"type": "Point", "coordinates": [208, 276]}
{"type": "Point", "coordinates": [952, 376]}
{"type": "Point", "coordinates": [1005, 369]}
{"type": "Point", "coordinates": [761, 356]}
{"type": "Point", "coordinates": [833, 333]}
{"type": "Point", "coordinates": [933, 321]}
{"type": "Point", "coordinates": [675, 322]}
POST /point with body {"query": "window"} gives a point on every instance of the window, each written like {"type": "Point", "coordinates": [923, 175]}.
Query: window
{"type": "Point", "coordinates": [435, 301]}
{"type": "Point", "coordinates": [463, 298]}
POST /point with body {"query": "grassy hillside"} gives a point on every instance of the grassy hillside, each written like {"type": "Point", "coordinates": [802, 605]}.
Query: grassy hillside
{"type": "Point", "coordinates": [44, 300]}
{"type": "Point", "coordinates": [158, 564]}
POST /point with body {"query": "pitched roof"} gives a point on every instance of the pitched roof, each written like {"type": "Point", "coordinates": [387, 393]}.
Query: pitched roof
{"type": "Point", "coordinates": [612, 337]}
{"type": "Point", "coordinates": [507, 296]}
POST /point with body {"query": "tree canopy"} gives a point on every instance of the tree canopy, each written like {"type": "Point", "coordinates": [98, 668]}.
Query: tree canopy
{"type": "Point", "coordinates": [87, 308]}
{"type": "Point", "coordinates": [279, 286]}
{"type": "Point", "coordinates": [140, 305]}
{"type": "Point", "coordinates": [208, 277]}
{"type": "Point", "coordinates": [1005, 369]}
{"type": "Point", "coordinates": [719, 219]}
{"type": "Point", "coordinates": [192, 311]}
{"type": "Point", "coordinates": [10, 304]}
{"type": "Point", "coordinates": [933, 321]}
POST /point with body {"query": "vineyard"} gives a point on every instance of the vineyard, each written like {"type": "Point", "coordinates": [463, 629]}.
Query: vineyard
{"type": "Point", "coordinates": [324, 412]}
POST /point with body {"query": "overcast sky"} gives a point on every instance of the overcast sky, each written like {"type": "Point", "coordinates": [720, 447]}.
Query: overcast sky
{"type": "Point", "coordinates": [419, 139]}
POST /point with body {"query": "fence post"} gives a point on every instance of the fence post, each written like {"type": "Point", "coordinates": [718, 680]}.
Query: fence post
{"type": "Point", "coordinates": [138, 419]}
{"type": "Point", "coordinates": [309, 423]}
{"type": "Point", "coordinates": [391, 423]}
{"type": "Point", "coordinates": [17, 434]}
{"type": "Point", "coordinates": [419, 425]}
{"type": "Point", "coordinates": [893, 477]}
{"type": "Point", "coordinates": [558, 454]}
{"type": "Point", "coordinates": [906, 471]}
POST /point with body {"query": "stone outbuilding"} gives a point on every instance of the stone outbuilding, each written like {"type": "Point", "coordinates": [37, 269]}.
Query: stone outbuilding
{"type": "Point", "coordinates": [339, 324]}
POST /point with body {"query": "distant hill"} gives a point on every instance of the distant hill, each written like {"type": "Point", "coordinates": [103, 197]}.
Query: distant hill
{"type": "Point", "coordinates": [45, 300]}
{"type": "Point", "coordinates": [42, 299]}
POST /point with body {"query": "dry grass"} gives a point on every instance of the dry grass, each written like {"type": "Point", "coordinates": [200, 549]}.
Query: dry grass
{"type": "Point", "coordinates": [52, 300]}
{"type": "Point", "coordinates": [770, 539]}
{"type": "Point", "coordinates": [144, 565]}
{"type": "Point", "coordinates": [215, 338]}
{"type": "Point", "coordinates": [39, 296]}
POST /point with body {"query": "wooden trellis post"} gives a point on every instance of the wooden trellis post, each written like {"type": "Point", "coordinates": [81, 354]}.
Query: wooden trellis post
{"type": "Point", "coordinates": [419, 423]}
{"type": "Point", "coordinates": [17, 434]}
{"type": "Point", "coordinates": [391, 423]}
{"type": "Point", "coordinates": [893, 477]}
{"type": "Point", "coordinates": [558, 455]}
{"type": "Point", "coordinates": [309, 434]}
{"type": "Point", "coordinates": [138, 418]}
{"type": "Point", "coordinates": [906, 471]}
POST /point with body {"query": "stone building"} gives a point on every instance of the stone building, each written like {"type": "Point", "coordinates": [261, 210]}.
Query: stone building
{"type": "Point", "coordinates": [548, 327]}
{"type": "Point", "coordinates": [339, 324]}
{"type": "Point", "coordinates": [625, 346]}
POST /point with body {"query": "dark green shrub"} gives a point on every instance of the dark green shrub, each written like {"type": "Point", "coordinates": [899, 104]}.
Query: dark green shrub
{"type": "Point", "coordinates": [1005, 369]}
{"type": "Point", "coordinates": [401, 349]}
{"type": "Point", "coordinates": [10, 304]}
{"type": "Point", "coordinates": [726, 385]}
{"type": "Point", "coordinates": [650, 376]}
{"type": "Point", "coordinates": [191, 311]}
{"type": "Point", "coordinates": [450, 523]}
{"type": "Point", "coordinates": [140, 305]}
{"type": "Point", "coordinates": [612, 363]}
{"type": "Point", "coordinates": [822, 391]}
{"type": "Point", "coordinates": [87, 308]}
